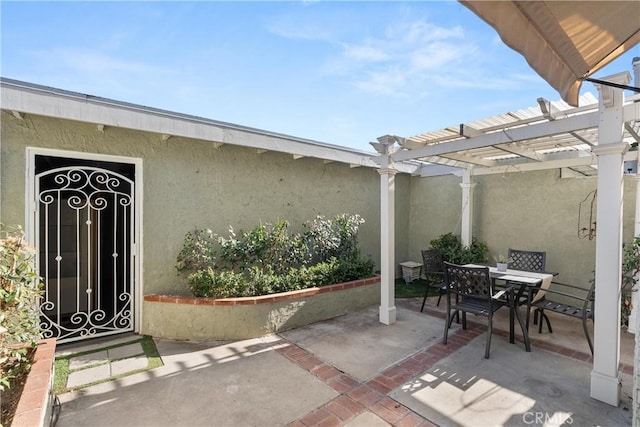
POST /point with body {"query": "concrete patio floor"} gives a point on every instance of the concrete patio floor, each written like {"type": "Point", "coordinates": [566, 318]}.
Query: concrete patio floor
{"type": "Point", "coordinates": [354, 371]}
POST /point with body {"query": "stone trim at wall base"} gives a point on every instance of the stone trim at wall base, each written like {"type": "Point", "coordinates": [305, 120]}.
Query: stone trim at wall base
{"type": "Point", "coordinates": [190, 318]}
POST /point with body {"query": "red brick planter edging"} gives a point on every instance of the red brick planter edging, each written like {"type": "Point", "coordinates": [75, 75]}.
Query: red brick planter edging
{"type": "Point", "coordinates": [263, 298]}
{"type": "Point", "coordinates": [193, 318]}
{"type": "Point", "coordinates": [36, 395]}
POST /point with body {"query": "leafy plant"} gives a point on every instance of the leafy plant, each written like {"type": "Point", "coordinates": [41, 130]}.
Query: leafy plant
{"type": "Point", "coordinates": [270, 259]}
{"type": "Point", "coordinates": [630, 270]}
{"type": "Point", "coordinates": [198, 251]}
{"type": "Point", "coordinates": [333, 238]}
{"type": "Point", "coordinates": [501, 259]}
{"type": "Point", "coordinates": [19, 293]}
{"type": "Point", "coordinates": [454, 251]}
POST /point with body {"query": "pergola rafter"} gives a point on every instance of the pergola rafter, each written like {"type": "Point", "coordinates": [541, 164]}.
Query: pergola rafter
{"type": "Point", "coordinates": [527, 139]}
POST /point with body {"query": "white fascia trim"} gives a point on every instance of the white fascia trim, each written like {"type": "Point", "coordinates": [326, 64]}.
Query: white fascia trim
{"type": "Point", "coordinates": [39, 100]}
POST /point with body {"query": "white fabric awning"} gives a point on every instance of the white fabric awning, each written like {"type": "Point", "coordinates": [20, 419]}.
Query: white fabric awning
{"type": "Point", "coordinates": [564, 41]}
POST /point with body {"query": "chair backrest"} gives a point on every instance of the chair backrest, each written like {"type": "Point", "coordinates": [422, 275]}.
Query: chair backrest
{"type": "Point", "coordinates": [526, 260]}
{"type": "Point", "coordinates": [432, 261]}
{"type": "Point", "coordinates": [472, 282]}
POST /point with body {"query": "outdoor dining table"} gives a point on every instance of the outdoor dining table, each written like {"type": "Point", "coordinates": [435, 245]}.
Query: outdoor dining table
{"type": "Point", "coordinates": [525, 283]}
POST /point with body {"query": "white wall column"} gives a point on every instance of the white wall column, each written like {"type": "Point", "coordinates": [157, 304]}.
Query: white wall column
{"type": "Point", "coordinates": [387, 230]}
{"type": "Point", "coordinates": [605, 376]}
{"type": "Point", "coordinates": [466, 234]}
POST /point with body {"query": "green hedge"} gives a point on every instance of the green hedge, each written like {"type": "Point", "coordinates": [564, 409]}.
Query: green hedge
{"type": "Point", "coordinates": [269, 259]}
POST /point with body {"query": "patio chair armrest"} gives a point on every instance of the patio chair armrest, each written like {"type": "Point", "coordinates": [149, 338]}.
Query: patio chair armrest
{"type": "Point", "coordinates": [565, 290]}
{"type": "Point", "coordinates": [506, 290]}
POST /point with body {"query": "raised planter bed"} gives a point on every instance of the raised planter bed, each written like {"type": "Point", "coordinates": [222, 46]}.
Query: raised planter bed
{"type": "Point", "coordinates": [36, 403]}
{"type": "Point", "coordinates": [189, 318]}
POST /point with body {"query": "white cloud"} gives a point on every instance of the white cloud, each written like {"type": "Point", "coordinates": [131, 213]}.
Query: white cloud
{"type": "Point", "coordinates": [416, 32]}
{"type": "Point", "coordinates": [295, 27]}
{"type": "Point", "coordinates": [90, 61]}
{"type": "Point", "coordinates": [364, 53]}
{"type": "Point", "coordinates": [437, 55]}
{"type": "Point", "coordinates": [397, 62]}
{"type": "Point", "coordinates": [388, 82]}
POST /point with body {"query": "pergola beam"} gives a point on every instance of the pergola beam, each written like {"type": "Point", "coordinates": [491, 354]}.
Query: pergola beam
{"type": "Point", "coordinates": [532, 131]}
{"type": "Point", "coordinates": [561, 161]}
{"type": "Point", "coordinates": [469, 159]}
{"type": "Point", "coordinates": [522, 151]}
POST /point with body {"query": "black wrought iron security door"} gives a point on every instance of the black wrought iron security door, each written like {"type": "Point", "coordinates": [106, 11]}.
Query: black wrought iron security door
{"type": "Point", "coordinates": [85, 235]}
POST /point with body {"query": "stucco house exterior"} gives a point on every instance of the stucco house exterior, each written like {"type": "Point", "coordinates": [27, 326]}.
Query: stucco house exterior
{"type": "Point", "coordinates": [127, 182]}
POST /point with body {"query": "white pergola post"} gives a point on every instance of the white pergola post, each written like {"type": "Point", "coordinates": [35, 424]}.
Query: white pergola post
{"type": "Point", "coordinates": [387, 231]}
{"type": "Point", "coordinates": [635, 299]}
{"type": "Point", "coordinates": [634, 319]}
{"type": "Point", "coordinates": [467, 208]}
{"type": "Point", "coordinates": [605, 376]}
{"type": "Point", "coordinates": [634, 323]}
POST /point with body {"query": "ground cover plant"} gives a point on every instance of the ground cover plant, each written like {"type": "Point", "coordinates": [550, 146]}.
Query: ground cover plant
{"type": "Point", "coordinates": [19, 318]}
{"type": "Point", "coordinates": [270, 258]}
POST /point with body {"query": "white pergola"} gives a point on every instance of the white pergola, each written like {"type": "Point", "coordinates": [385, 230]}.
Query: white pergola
{"type": "Point", "coordinates": [592, 139]}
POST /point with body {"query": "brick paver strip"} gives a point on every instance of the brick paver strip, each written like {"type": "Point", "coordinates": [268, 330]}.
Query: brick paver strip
{"type": "Point", "coordinates": [356, 397]}
{"type": "Point", "coordinates": [390, 410]}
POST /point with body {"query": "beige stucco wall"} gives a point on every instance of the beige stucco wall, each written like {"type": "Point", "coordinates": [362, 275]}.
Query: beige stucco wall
{"type": "Point", "coordinates": [531, 211]}
{"type": "Point", "coordinates": [189, 183]}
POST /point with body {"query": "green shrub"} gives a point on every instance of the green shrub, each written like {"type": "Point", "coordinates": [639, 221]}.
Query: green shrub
{"type": "Point", "coordinates": [19, 293]}
{"type": "Point", "coordinates": [269, 259]}
{"type": "Point", "coordinates": [454, 251]}
{"type": "Point", "coordinates": [630, 269]}
{"type": "Point", "coordinates": [197, 253]}
{"type": "Point", "coordinates": [337, 238]}
{"type": "Point", "coordinates": [211, 284]}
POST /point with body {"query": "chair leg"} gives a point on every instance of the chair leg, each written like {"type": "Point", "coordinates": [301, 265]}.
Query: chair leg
{"type": "Point", "coordinates": [446, 326]}
{"type": "Point", "coordinates": [545, 318]}
{"type": "Point", "coordinates": [586, 333]}
{"type": "Point", "coordinates": [439, 298]}
{"type": "Point", "coordinates": [489, 329]}
{"type": "Point", "coordinates": [424, 300]}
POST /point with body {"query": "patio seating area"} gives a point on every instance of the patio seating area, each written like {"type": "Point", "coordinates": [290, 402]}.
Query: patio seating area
{"type": "Point", "coordinates": [354, 371]}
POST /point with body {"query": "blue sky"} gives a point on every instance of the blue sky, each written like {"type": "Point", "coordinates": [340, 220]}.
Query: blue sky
{"type": "Point", "coordinates": [341, 73]}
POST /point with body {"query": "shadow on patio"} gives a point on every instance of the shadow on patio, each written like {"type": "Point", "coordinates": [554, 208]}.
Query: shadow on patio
{"type": "Point", "coordinates": [354, 371]}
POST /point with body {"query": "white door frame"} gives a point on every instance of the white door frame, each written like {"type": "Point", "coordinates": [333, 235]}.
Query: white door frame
{"type": "Point", "coordinates": [30, 211]}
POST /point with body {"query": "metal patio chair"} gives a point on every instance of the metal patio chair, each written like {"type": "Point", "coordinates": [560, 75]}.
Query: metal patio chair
{"type": "Point", "coordinates": [433, 267]}
{"type": "Point", "coordinates": [474, 290]}
{"type": "Point", "coordinates": [527, 260]}
{"type": "Point", "coordinates": [575, 302]}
